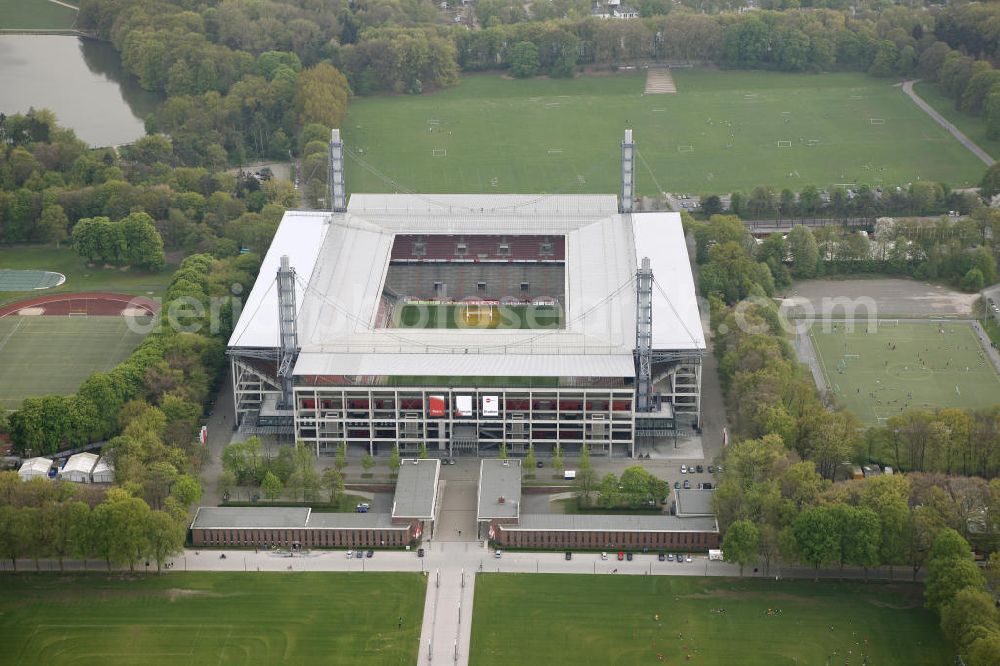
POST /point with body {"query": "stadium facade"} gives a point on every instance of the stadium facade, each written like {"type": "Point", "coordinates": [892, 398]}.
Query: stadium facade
{"type": "Point", "coordinates": [464, 323]}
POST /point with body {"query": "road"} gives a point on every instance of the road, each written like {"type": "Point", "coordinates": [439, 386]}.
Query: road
{"type": "Point", "coordinates": [943, 122]}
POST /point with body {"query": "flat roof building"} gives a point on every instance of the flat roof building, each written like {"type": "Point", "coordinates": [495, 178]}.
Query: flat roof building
{"type": "Point", "coordinates": [694, 503]}
{"type": "Point", "coordinates": [416, 490]}
{"type": "Point", "coordinates": [297, 527]}
{"type": "Point", "coordinates": [499, 496]}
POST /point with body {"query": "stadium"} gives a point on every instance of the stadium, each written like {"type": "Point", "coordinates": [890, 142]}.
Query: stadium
{"type": "Point", "coordinates": [467, 323]}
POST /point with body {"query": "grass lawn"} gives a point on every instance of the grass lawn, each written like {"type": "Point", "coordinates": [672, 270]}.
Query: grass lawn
{"type": "Point", "coordinates": [926, 368]}
{"type": "Point", "coordinates": [212, 618]}
{"type": "Point", "coordinates": [43, 355]}
{"type": "Point", "coordinates": [971, 126]}
{"type": "Point", "coordinates": [562, 619]}
{"type": "Point", "coordinates": [461, 316]}
{"type": "Point", "coordinates": [36, 15]}
{"type": "Point", "coordinates": [720, 132]}
{"type": "Point", "coordinates": [79, 277]}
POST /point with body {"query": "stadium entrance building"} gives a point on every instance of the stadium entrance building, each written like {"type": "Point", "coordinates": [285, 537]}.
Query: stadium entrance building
{"type": "Point", "coordinates": [463, 322]}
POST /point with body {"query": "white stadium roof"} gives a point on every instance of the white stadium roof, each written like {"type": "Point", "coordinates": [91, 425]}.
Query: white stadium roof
{"type": "Point", "coordinates": [341, 261]}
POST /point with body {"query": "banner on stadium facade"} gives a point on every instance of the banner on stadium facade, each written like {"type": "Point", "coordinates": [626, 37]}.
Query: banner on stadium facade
{"type": "Point", "coordinates": [463, 405]}
{"type": "Point", "coordinates": [491, 405]}
{"type": "Point", "coordinates": [435, 405]}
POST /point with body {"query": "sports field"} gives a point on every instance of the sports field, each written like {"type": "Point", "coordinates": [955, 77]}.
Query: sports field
{"type": "Point", "coordinates": [43, 355]}
{"type": "Point", "coordinates": [878, 374]}
{"type": "Point", "coordinates": [79, 276]}
{"type": "Point", "coordinates": [212, 618]}
{"type": "Point", "coordinates": [36, 15]}
{"type": "Point", "coordinates": [721, 131]}
{"type": "Point", "coordinates": [479, 316]}
{"type": "Point", "coordinates": [561, 619]}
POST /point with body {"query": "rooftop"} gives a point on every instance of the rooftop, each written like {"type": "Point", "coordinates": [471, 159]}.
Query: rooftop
{"type": "Point", "coordinates": [694, 503]}
{"type": "Point", "coordinates": [594, 522]}
{"type": "Point", "coordinates": [80, 462]}
{"type": "Point", "coordinates": [416, 489]}
{"type": "Point", "coordinates": [341, 261]}
{"type": "Point", "coordinates": [36, 465]}
{"type": "Point", "coordinates": [499, 488]}
{"type": "Point", "coordinates": [267, 517]}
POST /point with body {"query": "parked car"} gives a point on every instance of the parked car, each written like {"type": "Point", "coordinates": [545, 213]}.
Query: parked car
{"type": "Point", "coordinates": [680, 559]}
{"type": "Point", "coordinates": [604, 556]}
{"type": "Point", "coordinates": [687, 484]}
{"type": "Point", "coordinates": [369, 553]}
{"type": "Point", "coordinates": [711, 469]}
{"type": "Point", "coordinates": [684, 469]}
{"type": "Point", "coordinates": [689, 559]}
{"type": "Point", "coordinates": [661, 556]}
{"type": "Point", "coordinates": [498, 554]}
{"type": "Point", "coordinates": [569, 556]}
{"type": "Point", "coordinates": [628, 556]}
{"type": "Point", "coordinates": [700, 469]}
{"type": "Point", "coordinates": [707, 485]}
{"type": "Point", "coordinates": [677, 485]}
{"type": "Point", "coordinates": [420, 552]}
{"type": "Point", "coordinates": [539, 464]}
{"type": "Point", "coordinates": [670, 557]}
{"type": "Point", "coordinates": [350, 554]}
{"type": "Point", "coordinates": [621, 556]}
{"type": "Point", "coordinates": [358, 554]}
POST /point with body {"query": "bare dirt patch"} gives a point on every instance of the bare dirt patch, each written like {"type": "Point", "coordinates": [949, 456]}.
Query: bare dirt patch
{"type": "Point", "coordinates": [892, 297]}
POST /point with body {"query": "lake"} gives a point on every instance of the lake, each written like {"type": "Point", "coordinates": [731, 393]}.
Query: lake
{"type": "Point", "coordinates": [80, 80]}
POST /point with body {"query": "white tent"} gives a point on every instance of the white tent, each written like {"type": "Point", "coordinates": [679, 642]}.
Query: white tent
{"type": "Point", "coordinates": [78, 468]}
{"type": "Point", "coordinates": [104, 471]}
{"type": "Point", "coordinates": [35, 467]}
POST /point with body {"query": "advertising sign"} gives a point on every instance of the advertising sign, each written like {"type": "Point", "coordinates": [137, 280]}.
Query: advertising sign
{"type": "Point", "coordinates": [436, 405]}
{"type": "Point", "coordinates": [491, 405]}
{"type": "Point", "coordinates": [463, 405]}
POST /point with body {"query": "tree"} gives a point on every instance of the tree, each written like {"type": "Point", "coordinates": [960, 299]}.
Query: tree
{"type": "Point", "coordinates": [126, 526]}
{"type": "Point", "coordinates": [585, 457]}
{"type": "Point", "coordinates": [186, 490]}
{"type": "Point", "coordinates": [340, 461]}
{"type": "Point", "coordinates": [503, 451]}
{"type": "Point", "coordinates": [968, 615]}
{"type": "Point", "coordinates": [394, 461]}
{"type": "Point", "coordinates": [165, 537]}
{"type": "Point", "coordinates": [804, 251]}
{"type": "Point", "coordinates": [226, 483]}
{"type": "Point", "coordinates": [333, 483]}
{"type": "Point", "coordinates": [529, 460]}
{"type": "Point", "coordinates": [367, 461]}
{"type": "Point", "coordinates": [53, 225]}
{"type": "Point", "coordinates": [990, 184]}
{"type": "Point", "coordinates": [523, 58]}
{"type": "Point", "coordinates": [321, 96]}
{"type": "Point", "coordinates": [816, 537]}
{"type": "Point", "coordinates": [742, 543]}
{"type": "Point", "coordinates": [423, 451]}
{"type": "Point", "coordinates": [271, 486]}
{"type": "Point", "coordinates": [12, 534]}
{"type": "Point", "coordinates": [557, 459]}
{"type": "Point", "coordinates": [946, 578]}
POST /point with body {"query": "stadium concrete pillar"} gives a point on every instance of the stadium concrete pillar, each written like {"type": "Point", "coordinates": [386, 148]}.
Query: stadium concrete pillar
{"type": "Point", "coordinates": [335, 173]}
{"type": "Point", "coordinates": [627, 194]}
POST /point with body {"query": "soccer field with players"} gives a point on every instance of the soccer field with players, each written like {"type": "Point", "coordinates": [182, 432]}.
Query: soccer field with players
{"type": "Point", "coordinates": [212, 618]}
{"type": "Point", "coordinates": [881, 373]}
{"type": "Point", "coordinates": [605, 619]}
{"type": "Point", "coordinates": [721, 131]}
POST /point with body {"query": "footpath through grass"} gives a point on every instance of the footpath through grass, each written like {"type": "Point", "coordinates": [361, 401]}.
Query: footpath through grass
{"type": "Point", "coordinates": [881, 374]}
{"type": "Point", "coordinates": [79, 276]}
{"type": "Point", "coordinates": [36, 15]}
{"type": "Point", "coordinates": [563, 619]}
{"type": "Point", "coordinates": [971, 126]}
{"type": "Point", "coordinates": [721, 131]}
{"type": "Point", "coordinates": [211, 618]}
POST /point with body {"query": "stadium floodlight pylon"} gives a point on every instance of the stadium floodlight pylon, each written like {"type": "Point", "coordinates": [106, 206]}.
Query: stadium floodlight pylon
{"type": "Point", "coordinates": [287, 330]}
{"type": "Point", "coordinates": [644, 337]}
{"type": "Point", "coordinates": [627, 194]}
{"type": "Point", "coordinates": [335, 173]}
